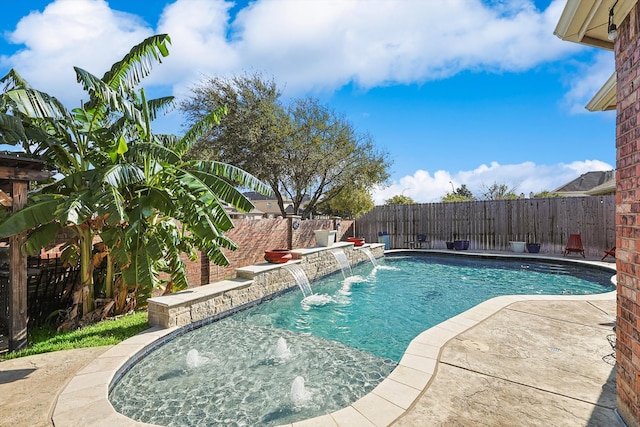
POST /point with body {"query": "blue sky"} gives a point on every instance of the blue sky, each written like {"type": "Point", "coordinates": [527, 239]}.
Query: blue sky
{"type": "Point", "coordinates": [455, 91]}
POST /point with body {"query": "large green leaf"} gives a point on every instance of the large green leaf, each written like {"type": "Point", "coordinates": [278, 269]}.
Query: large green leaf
{"type": "Point", "coordinates": [231, 173]}
{"type": "Point", "coordinates": [77, 208]}
{"type": "Point", "coordinates": [112, 205]}
{"type": "Point", "coordinates": [120, 175]}
{"type": "Point", "coordinates": [136, 65]}
{"type": "Point", "coordinates": [223, 190]}
{"type": "Point", "coordinates": [11, 130]}
{"type": "Point", "coordinates": [35, 104]}
{"type": "Point", "coordinates": [29, 217]}
{"type": "Point", "coordinates": [114, 99]}
{"type": "Point", "coordinates": [13, 80]}
{"type": "Point", "coordinates": [155, 151]}
{"type": "Point", "coordinates": [158, 105]}
{"type": "Point", "coordinates": [201, 128]}
{"type": "Point", "coordinates": [41, 237]}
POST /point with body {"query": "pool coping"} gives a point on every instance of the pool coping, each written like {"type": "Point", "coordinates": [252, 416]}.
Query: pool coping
{"type": "Point", "coordinates": [84, 400]}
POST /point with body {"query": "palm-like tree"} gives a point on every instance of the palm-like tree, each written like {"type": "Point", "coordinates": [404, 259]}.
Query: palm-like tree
{"type": "Point", "coordinates": [120, 181]}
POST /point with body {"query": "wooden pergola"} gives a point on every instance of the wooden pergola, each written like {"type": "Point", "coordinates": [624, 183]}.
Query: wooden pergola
{"type": "Point", "coordinates": [15, 174]}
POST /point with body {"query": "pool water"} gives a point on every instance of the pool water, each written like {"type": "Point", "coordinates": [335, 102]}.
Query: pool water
{"type": "Point", "coordinates": [290, 359]}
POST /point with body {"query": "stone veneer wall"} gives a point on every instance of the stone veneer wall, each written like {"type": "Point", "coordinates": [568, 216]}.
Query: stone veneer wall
{"type": "Point", "coordinates": [252, 284]}
{"type": "Point", "coordinates": [627, 51]}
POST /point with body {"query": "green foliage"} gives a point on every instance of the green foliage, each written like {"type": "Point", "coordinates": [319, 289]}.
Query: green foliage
{"type": "Point", "coordinates": [399, 199]}
{"type": "Point", "coordinates": [545, 194]}
{"type": "Point", "coordinates": [305, 151]}
{"type": "Point", "coordinates": [453, 197]}
{"type": "Point", "coordinates": [349, 203]}
{"type": "Point", "coordinates": [121, 181]}
{"type": "Point", "coordinates": [45, 339]}
{"type": "Point", "coordinates": [461, 194]}
{"type": "Point", "coordinates": [499, 192]}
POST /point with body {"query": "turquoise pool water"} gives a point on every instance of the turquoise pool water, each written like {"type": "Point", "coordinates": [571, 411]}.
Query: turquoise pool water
{"type": "Point", "coordinates": [290, 359]}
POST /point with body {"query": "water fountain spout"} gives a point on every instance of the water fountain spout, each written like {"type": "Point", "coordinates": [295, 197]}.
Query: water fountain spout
{"type": "Point", "coordinates": [343, 261]}
{"type": "Point", "coordinates": [299, 394]}
{"type": "Point", "coordinates": [368, 253]}
{"type": "Point", "coordinates": [282, 349]}
{"type": "Point", "coordinates": [301, 279]}
{"type": "Point", "coordinates": [194, 359]}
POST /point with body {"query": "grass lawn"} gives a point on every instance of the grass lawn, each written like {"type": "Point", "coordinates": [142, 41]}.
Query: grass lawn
{"type": "Point", "coordinates": [45, 339]}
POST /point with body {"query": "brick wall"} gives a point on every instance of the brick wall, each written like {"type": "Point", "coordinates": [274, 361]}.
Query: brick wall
{"type": "Point", "coordinates": [627, 51]}
{"type": "Point", "coordinates": [253, 237]}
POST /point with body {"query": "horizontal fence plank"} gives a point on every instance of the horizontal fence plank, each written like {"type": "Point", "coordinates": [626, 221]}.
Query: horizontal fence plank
{"type": "Point", "coordinates": [491, 224]}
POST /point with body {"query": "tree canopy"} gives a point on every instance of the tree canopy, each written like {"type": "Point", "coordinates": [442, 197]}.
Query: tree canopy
{"type": "Point", "coordinates": [305, 151]}
{"type": "Point", "coordinates": [461, 194]}
{"type": "Point", "coordinates": [499, 192]}
{"type": "Point", "coordinates": [399, 199]}
{"type": "Point", "coordinates": [349, 203]}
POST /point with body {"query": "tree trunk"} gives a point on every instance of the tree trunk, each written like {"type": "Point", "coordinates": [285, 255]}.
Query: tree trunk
{"type": "Point", "coordinates": [86, 268]}
{"type": "Point", "coordinates": [109, 276]}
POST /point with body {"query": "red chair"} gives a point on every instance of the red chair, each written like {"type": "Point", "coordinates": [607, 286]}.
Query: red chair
{"type": "Point", "coordinates": [610, 252]}
{"type": "Point", "coordinates": [574, 245]}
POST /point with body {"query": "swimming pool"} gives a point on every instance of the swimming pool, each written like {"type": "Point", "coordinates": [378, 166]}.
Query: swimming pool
{"type": "Point", "coordinates": [237, 372]}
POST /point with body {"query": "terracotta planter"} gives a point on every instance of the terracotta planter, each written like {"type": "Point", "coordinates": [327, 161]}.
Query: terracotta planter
{"type": "Point", "coordinates": [277, 256]}
{"type": "Point", "coordinates": [357, 241]}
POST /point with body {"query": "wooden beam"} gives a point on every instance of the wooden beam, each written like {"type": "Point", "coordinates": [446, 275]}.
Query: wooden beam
{"type": "Point", "coordinates": [18, 276]}
{"type": "Point", "coordinates": [19, 174]}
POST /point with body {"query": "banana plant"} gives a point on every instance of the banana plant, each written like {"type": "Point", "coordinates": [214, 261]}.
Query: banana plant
{"type": "Point", "coordinates": [121, 182]}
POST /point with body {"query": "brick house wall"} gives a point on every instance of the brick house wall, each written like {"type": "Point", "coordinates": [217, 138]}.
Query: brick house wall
{"type": "Point", "coordinates": [253, 237]}
{"type": "Point", "coordinates": [627, 53]}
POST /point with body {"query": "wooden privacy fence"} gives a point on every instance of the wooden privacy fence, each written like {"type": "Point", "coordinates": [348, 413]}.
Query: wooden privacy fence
{"type": "Point", "coordinates": [492, 224]}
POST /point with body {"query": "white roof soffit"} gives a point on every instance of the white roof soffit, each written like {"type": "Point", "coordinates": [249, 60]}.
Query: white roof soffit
{"type": "Point", "coordinates": [605, 99]}
{"type": "Point", "coordinates": [585, 21]}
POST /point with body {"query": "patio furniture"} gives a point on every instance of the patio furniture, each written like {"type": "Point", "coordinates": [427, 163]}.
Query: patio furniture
{"type": "Point", "coordinates": [419, 241]}
{"type": "Point", "coordinates": [610, 252]}
{"type": "Point", "coordinates": [574, 245]}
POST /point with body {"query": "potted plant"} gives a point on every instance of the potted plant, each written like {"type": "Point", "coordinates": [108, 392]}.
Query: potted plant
{"type": "Point", "coordinates": [460, 245]}
{"type": "Point", "coordinates": [277, 256]}
{"type": "Point", "coordinates": [325, 237]}
{"type": "Point", "coordinates": [533, 248]}
{"type": "Point", "coordinates": [449, 245]}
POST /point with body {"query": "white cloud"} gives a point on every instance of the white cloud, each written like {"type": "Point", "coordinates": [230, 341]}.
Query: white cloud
{"type": "Point", "coordinates": [68, 33]}
{"type": "Point", "coordinates": [310, 46]}
{"type": "Point", "coordinates": [527, 177]}
{"type": "Point", "coordinates": [589, 79]}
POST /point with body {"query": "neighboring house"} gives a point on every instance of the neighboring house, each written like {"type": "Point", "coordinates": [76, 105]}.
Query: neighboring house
{"type": "Point", "coordinates": [236, 214]}
{"type": "Point", "coordinates": [267, 205]}
{"type": "Point", "coordinates": [603, 182]}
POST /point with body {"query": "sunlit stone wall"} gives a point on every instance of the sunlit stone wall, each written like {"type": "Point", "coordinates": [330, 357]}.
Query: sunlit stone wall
{"type": "Point", "coordinates": [253, 283]}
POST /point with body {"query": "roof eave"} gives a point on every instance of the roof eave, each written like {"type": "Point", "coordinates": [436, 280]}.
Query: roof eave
{"type": "Point", "coordinates": [605, 99]}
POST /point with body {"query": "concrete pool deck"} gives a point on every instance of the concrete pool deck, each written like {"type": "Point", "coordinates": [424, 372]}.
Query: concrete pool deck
{"type": "Point", "coordinates": [509, 361]}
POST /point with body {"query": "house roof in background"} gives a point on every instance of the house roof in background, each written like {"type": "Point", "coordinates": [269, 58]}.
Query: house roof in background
{"type": "Point", "coordinates": [608, 187]}
{"type": "Point", "coordinates": [252, 195]}
{"type": "Point", "coordinates": [586, 182]}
